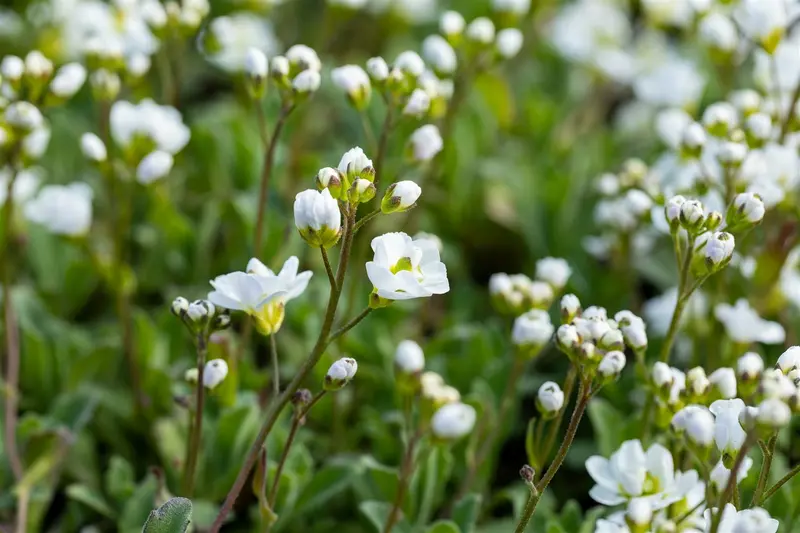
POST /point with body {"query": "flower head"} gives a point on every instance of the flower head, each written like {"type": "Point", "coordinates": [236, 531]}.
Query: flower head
{"type": "Point", "coordinates": [453, 421]}
{"type": "Point", "coordinates": [532, 330]}
{"type": "Point", "coordinates": [62, 209]}
{"type": "Point", "coordinates": [409, 357]}
{"type": "Point", "coordinates": [354, 81]}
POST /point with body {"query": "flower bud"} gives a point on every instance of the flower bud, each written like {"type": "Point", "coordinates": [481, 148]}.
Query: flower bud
{"type": "Point", "coordinates": [481, 31]}
{"type": "Point", "coordinates": [758, 129]}
{"type": "Point", "coordinates": [697, 384]}
{"type": "Point", "coordinates": [214, 373]}
{"type": "Point", "coordinates": [355, 164]}
{"type": "Point", "coordinates": [453, 421]}
{"type": "Point", "coordinates": [731, 154]}
{"type": "Point", "coordinates": [549, 399]}
{"type": "Point", "coordinates": [531, 331]}
{"type": "Point", "coordinates": [720, 118]}
{"type": "Point", "coordinates": [331, 179]}
{"type": "Point", "coordinates": [713, 221]}
{"type": "Point", "coordinates": [418, 104]}
{"type": "Point", "coordinates": [180, 306]}
{"type": "Point", "coordinates": [93, 148]}
{"type": "Point", "coordinates": [317, 217]}
{"type": "Point", "coordinates": [553, 270]}
{"type": "Point", "coordinates": [38, 67]}
{"type": "Point", "coordinates": [746, 211]}
{"type": "Point", "coordinates": [355, 82]}
{"type": "Point", "coordinates": [773, 414]}
{"type": "Point", "coordinates": [23, 117]}
{"type": "Point", "coordinates": [378, 70]}
{"type": "Point", "coordinates": [301, 398]}
{"type": "Point", "coordinates": [440, 55]}
{"type": "Point", "coordinates": [612, 340]}
{"type": "Point", "coordinates": [154, 166]}
{"type": "Point", "coordinates": [692, 215]}
{"type": "Point", "coordinates": [105, 85]}
{"type": "Point", "coordinates": [302, 58]}
{"type": "Point", "coordinates": [279, 71]}
{"type": "Point", "coordinates": [746, 101]}
{"type": "Point", "coordinates": [568, 339]}
{"type": "Point", "coordinates": [451, 25]}
{"type": "Point", "coordinates": [306, 82]}
{"type": "Point", "coordinates": [774, 384]}
{"type": "Point", "coordinates": [612, 365]}
{"type": "Point", "coordinates": [719, 249]}
{"type": "Point", "coordinates": [256, 68]}
{"type": "Point", "coordinates": [693, 139]}
{"type": "Point", "coordinates": [633, 330]}
{"type": "Point", "coordinates": [662, 376]}
{"type": "Point", "coordinates": [570, 308]}
{"type": "Point", "coordinates": [509, 42]}
{"type": "Point", "coordinates": [68, 80]}
{"type": "Point", "coordinates": [723, 383]}
{"type": "Point", "coordinates": [425, 143]}
{"type": "Point", "coordinates": [200, 311]}
{"type": "Point", "coordinates": [410, 64]}
{"type": "Point", "coordinates": [527, 473]}
{"type": "Point", "coordinates": [788, 361]}
{"type": "Point", "coordinates": [362, 191]}
{"type": "Point", "coordinates": [638, 515]}
{"type": "Point", "coordinates": [340, 373]}
{"type": "Point", "coordinates": [12, 68]}
{"type": "Point", "coordinates": [697, 423]}
{"type": "Point", "coordinates": [191, 375]}
{"type": "Point", "coordinates": [409, 358]}
{"type": "Point", "coordinates": [672, 211]}
{"type": "Point", "coordinates": [400, 196]}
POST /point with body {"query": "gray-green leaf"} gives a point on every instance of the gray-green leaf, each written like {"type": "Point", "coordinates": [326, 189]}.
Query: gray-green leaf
{"type": "Point", "coordinates": [172, 517]}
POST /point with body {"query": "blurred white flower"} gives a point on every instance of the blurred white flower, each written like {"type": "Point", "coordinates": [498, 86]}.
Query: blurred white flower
{"type": "Point", "coordinates": [403, 268]}
{"type": "Point", "coordinates": [581, 30]}
{"type": "Point", "coordinates": [451, 23]}
{"type": "Point", "coordinates": [425, 143]}
{"type": "Point", "coordinates": [409, 357]}
{"type": "Point", "coordinates": [516, 7]}
{"type": "Point", "coordinates": [235, 35]}
{"type": "Point", "coordinates": [68, 80]}
{"type": "Point", "coordinates": [481, 30]}
{"type": "Point", "coordinates": [354, 81]}
{"type": "Point", "coordinates": [93, 148]}
{"type": "Point", "coordinates": [256, 64]}
{"type": "Point", "coordinates": [418, 103]}
{"type": "Point", "coordinates": [303, 57]}
{"type": "Point", "coordinates": [719, 32]}
{"type": "Point", "coordinates": [763, 21]}
{"type": "Point", "coordinates": [742, 324]}
{"type": "Point", "coordinates": [678, 13]}
{"type": "Point", "coordinates": [509, 42]}
{"type": "Point", "coordinates": [214, 373]}
{"type": "Point", "coordinates": [675, 82]}
{"type": "Point", "coordinates": [154, 166]}
{"type": "Point", "coordinates": [788, 360]}
{"type": "Point", "coordinates": [696, 423]}
{"type": "Point", "coordinates": [773, 413]}
{"type": "Point", "coordinates": [670, 125]}
{"type": "Point", "coordinates": [720, 474]}
{"type": "Point", "coordinates": [439, 54]}
{"type": "Point", "coordinates": [23, 116]}
{"type": "Point", "coordinates": [723, 380]}
{"type": "Point", "coordinates": [410, 63]}
{"type": "Point", "coordinates": [532, 329]}
{"type": "Point", "coordinates": [12, 68]}
{"type": "Point", "coordinates": [308, 81]}
{"type": "Point", "coordinates": [453, 421]}
{"type": "Point", "coordinates": [25, 185]}
{"type": "Point", "coordinates": [553, 270]}
{"type": "Point", "coordinates": [377, 68]}
{"type": "Point", "coordinates": [162, 125]}
{"type": "Point", "coordinates": [728, 432]}
{"type": "Point", "coordinates": [62, 209]}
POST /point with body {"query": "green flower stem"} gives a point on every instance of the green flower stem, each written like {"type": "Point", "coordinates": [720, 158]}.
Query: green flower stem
{"type": "Point", "coordinates": [368, 132]}
{"type": "Point", "coordinates": [584, 395]}
{"type": "Point", "coordinates": [569, 385]}
{"type": "Point", "coordinates": [328, 269]}
{"type": "Point", "coordinates": [366, 218]}
{"type": "Point", "coordinates": [298, 420]}
{"type": "Point", "coordinates": [275, 407]}
{"type": "Point", "coordinates": [766, 465]}
{"type": "Point", "coordinates": [785, 479]}
{"type": "Point", "coordinates": [350, 325]}
{"type": "Point", "coordinates": [726, 495]}
{"type": "Point", "coordinates": [383, 141]}
{"type": "Point", "coordinates": [406, 470]}
{"type": "Point", "coordinates": [196, 431]}
{"type": "Point", "coordinates": [506, 402]}
{"type": "Point", "coordinates": [266, 176]}
{"type": "Point", "coordinates": [276, 380]}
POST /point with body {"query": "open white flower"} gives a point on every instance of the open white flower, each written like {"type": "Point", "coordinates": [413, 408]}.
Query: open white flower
{"type": "Point", "coordinates": [764, 21]}
{"type": "Point", "coordinates": [62, 209]}
{"type": "Point", "coordinates": [162, 126]}
{"type": "Point", "coordinates": [742, 324]}
{"type": "Point", "coordinates": [453, 421]}
{"type": "Point", "coordinates": [750, 520]}
{"type": "Point", "coordinates": [294, 283]}
{"type": "Point", "coordinates": [728, 433]}
{"type": "Point", "coordinates": [403, 268]}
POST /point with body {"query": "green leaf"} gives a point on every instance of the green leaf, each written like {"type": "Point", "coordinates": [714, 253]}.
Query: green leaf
{"type": "Point", "coordinates": [119, 479]}
{"type": "Point", "coordinates": [465, 513]}
{"type": "Point", "coordinates": [571, 516]}
{"type": "Point", "coordinates": [608, 425]}
{"type": "Point", "coordinates": [90, 498]}
{"type": "Point", "coordinates": [555, 527]}
{"type": "Point", "coordinates": [327, 483]}
{"type": "Point", "coordinates": [443, 526]}
{"type": "Point", "coordinates": [378, 512]}
{"type": "Point", "coordinates": [530, 449]}
{"type": "Point", "coordinates": [172, 517]}
{"type": "Point", "coordinates": [138, 506]}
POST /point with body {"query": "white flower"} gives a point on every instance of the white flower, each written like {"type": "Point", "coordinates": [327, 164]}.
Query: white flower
{"type": "Point", "coordinates": [37, 65]}
{"type": "Point", "coordinates": [550, 398]}
{"type": "Point", "coordinates": [745, 100]}
{"type": "Point", "coordinates": [750, 365]}
{"type": "Point", "coordinates": [724, 381]}
{"type": "Point", "coordinates": [409, 357]}
{"type": "Point", "coordinates": [241, 291]}
{"type": "Point", "coordinates": [12, 68]}
{"type": "Point", "coordinates": [633, 329]}
{"type": "Point", "coordinates": [612, 364]}
{"type": "Point", "coordinates": [632, 473]}
{"type": "Point", "coordinates": [570, 306]}
{"type": "Point", "coordinates": [307, 81]}
{"type": "Point", "coordinates": [775, 384]}
{"type": "Point", "coordinates": [35, 143]}
{"type": "Point", "coordinates": [403, 268]}
{"type": "Point", "coordinates": [279, 67]}
{"type": "Point", "coordinates": [68, 80]}
{"type": "Point", "coordinates": [62, 209]}
{"type": "Point", "coordinates": [418, 103]}
{"type": "Point", "coordinates": [93, 148]}
{"type": "Point", "coordinates": [453, 421]}
{"type": "Point", "coordinates": [516, 7]}
{"type": "Point", "coordinates": [759, 126]}
{"type": "Point", "coordinates": [256, 64]}
{"type": "Point", "coordinates": [697, 423]}
{"type": "Point", "coordinates": [354, 81]}
{"type": "Point", "coordinates": [235, 35]}
{"type": "Point", "coordinates": [728, 433]}
{"type": "Point", "coordinates": [293, 284]}
{"type": "Point", "coordinates": [160, 124]}
{"type": "Point", "coordinates": [355, 162]}
{"type": "Point", "coordinates": [639, 511]}
{"type": "Point", "coordinates": [532, 329]}
{"type": "Point", "coordinates": [553, 270]}
{"type": "Point", "coordinates": [568, 337]}
{"type": "Point", "coordinates": [340, 373]}
{"type": "Point", "coordinates": [23, 116]}
{"type": "Point", "coordinates": [753, 520]}
{"type": "Point", "coordinates": [25, 185]}
{"type": "Point", "coordinates": [400, 196]}
{"type": "Point", "coordinates": [764, 21]}
{"type": "Point", "coordinates": [426, 142]}
{"type": "Point", "coordinates": [694, 137]}
{"type": "Point", "coordinates": [719, 32]}
{"type": "Point", "coordinates": [430, 237]}
{"type": "Point", "coordinates": [154, 166]}
{"type": "Point", "coordinates": [773, 413]}
{"type": "Point", "coordinates": [509, 42]}
{"type": "Point", "coordinates": [750, 207]}
{"type": "Point", "coordinates": [662, 375]}
{"type": "Point", "coordinates": [410, 63]}
{"type": "Point", "coordinates": [673, 82]}
{"type": "Point", "coordinates": [439, 54]}
{"type": "Point", "coordinates": [720, 474]}
{"type": "Point", "coordinates": [788, 361]}
{"type": "Point", "coordinates": [317, 217]}
{"type": "Point", "coordinates": [304, 58]}
{"type": "Point", "coordinates": [377, 68]}
{"type": "Point", "coordinates": [214, 373]}
{"type": "Point", "coordinates": [720, 118]}
{"type": "Point", "coordinates": [743, 324]}
{"type": "Point", "coordinates": [670, 125]}
{"type": "Point", "coordinates": [719, 248]}
{"type": "Point", "coordinates": [451, 23]}
{"type": "Point", "coordinates": [481, 30]}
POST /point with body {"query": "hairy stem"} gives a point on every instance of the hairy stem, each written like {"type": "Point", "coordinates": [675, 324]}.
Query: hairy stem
{"type": "Point", "coordinates": [726, 495]}
{"type": "Point", "coordinates": [266, 177]}
{"type": "Point", "coordinates": [350, 325]}
{"type": "Point", "coordinates": [196, 435]}
{"type": "Point", "coordinates": [785, 479]}
{"type": "Point", "coordinates": [275, 407]}
{"type": "Point", "coordinates": [383, 141]}
{"type": "Point", "coordinates": [328, 269]}
{"type": "Point", "coordinates": [276, 380]}
{"type": "Point", "coordinates": [569, 386]}
{"type": "Point", "coordinates": [406, 470]}
{"type": "Point", "coordinates": [766, 465]}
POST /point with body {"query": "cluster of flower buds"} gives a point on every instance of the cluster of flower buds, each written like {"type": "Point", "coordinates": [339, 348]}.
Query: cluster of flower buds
{"type": "Point", "coordinates": [201, 316]}
{"type": "Point", "coordinates": [595, 342]}
{"type": "Point", "coordinates": [690, 215]}
{"type": "Point", "coordinates": [214, 373]}
{"type": "Point", "coordinates": [296, 75]}
{"type": "Point", "coordinates": [340, 373]}
{"type": "Point", "coordinates": [517, 293]}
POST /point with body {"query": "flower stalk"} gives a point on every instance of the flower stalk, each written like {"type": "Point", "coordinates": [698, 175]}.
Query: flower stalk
{"type": "Point", "coordinates": [196, 427]}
